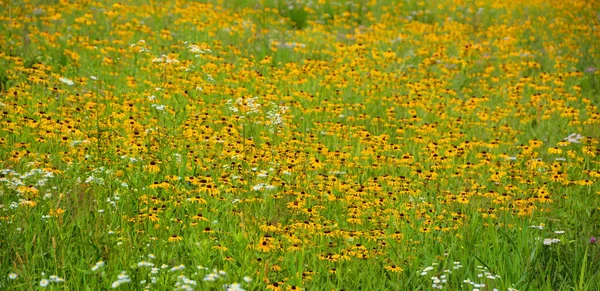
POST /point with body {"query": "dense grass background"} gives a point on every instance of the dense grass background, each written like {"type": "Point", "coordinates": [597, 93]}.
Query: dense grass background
{"type": "Point", "coordinates": [289, 145]}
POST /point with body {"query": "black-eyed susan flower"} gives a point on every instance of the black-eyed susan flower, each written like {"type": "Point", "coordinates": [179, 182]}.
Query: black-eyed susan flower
{"type": "Point", "coordinates": [393, 268]}
{"type": "Point", "coordinates": [152, 167]}
{"type": "Point", "coordinates": [274, 286]}
{"type": "Point", "coordinates": [175, 238]}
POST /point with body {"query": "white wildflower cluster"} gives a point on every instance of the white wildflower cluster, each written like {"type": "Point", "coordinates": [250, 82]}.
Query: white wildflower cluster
{"type": "Point", "coordinates": [551, 241]}
{"type": "Point", "coordinates": [15, 180]}
{"type": "Point", "coordinates": [141, 46]}
{"type": "Point", "coordinates": [78, 142]}
{"type": "Point", "coordinates": [178, 159]}
{"type": "Point", "coordinates": [198, 50]}
{"type": "Point", "coordinates": [184, 283]}
{"type": "Point", "coordinates": [233, 287]}
{"type": "Point", "coordinates": [440, 281]}
{"type": "Point", "coordinates": [428, 269]}
{"type": "Point", "coordinates": [91, 179]}
{"type": "Point", "coordinates": [288, 45]}
{"type": "Point", "coordinates": [437, 282]}
{"type": "Point", "coordinates": [417, 13]}
{"type": "Point", "coordinates": [165, 59]}
{"type": "Point", "coordinates": [67, 81]}
{"type": "Point", "coordinates": [52, 279]}
{"type": "Point", "coordinates": [123, 278]}
{"type": "Point", "coordinates": [159, 107]}
{"type": "Point", "coordinates": [114, 199]}
{"type": "Point", "coordinates": [482, 273]}
{"type": "Point", "coordinates": [262, 186]}
{"type": "Point", "coordinates": [24, 183]}
{"type": "Point", "coordinates": [548, 241]}
{"type": "Point", "coordinates": [55, 279]}
{"type": "Point", "coordinates": [145, 264]}
{"type": "Point", "coordinates": [574, 138]}
{"type": "Point", "coordinates": [94, 178]}
{"type": "Point", "coordinates": [214, 275]}
{"type": "Point", "coordinates": [275, 116]}
{"type": "Point", "coordinates": [132, 160]}
{"type": "Point", "coordinates": [456, 266]}
{"type": "Point", "coordinates": [245, 105]}
{"type": "Point", "coordinates": [177, 268]}
{"type": "Point", "coordinates": [337, 172]}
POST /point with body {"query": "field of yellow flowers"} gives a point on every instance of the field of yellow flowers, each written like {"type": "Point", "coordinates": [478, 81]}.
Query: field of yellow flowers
{"type": "Point", "coordinates": [299, 145]}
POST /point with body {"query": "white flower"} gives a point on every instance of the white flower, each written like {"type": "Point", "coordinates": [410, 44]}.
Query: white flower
{"type": "Point", "coordinates": [574, 138]}
{"type": "Point", "coordinates": [12, 276]}
{"type": "Point", "coordinates": [98, 265]}
{"type": "Point", "coordinates": [66, 81]}
{"type": "Point", "coordinates": [145, 264]}
{"type": "Point", "coordinates": [234, 287]}
{"type": "Point", "coordinates": [57, 279]}
{"type": "Point", "coordinates": [247, 279]}
{"type": "Point", "coordinates": [197, 49]}
{"type": "Point", "coordinates": [211, 277]}
{"type": "Point", "coordinates": [44, 283]}
{"type": "Point", "coordinates": [550, 241]}
{"type": "Point", "coordinates": [159, 107]}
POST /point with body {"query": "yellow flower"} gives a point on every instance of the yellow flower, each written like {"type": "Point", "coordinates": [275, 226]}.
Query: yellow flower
{"type": "Point", "coordinates": [152, 167]}
{"type": "Point", "coordinates": [220, 247]}
{"type": "Point", "coordinates": [265, 245]}
{"type": "Point", "coordinates": [175, 238]}
{"type": "Point", "coordinates": [274, 287]}
{"type": "Point", "coordinates": [554, 151]}
{"type": "Point", "coordinates": [393, 268]}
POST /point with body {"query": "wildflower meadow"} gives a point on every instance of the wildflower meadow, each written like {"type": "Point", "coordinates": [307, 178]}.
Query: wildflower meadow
{"type": "Point", "coordinates": [300, 145]}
